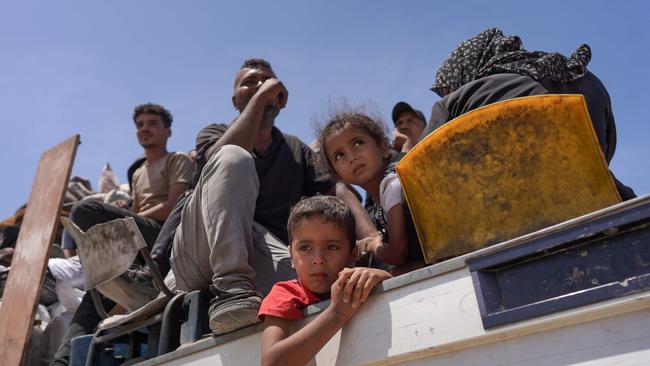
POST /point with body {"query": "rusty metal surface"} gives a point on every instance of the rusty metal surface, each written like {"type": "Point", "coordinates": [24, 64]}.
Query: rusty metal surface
{"type": "Point", "coordinates": [32, 248]}
{"type": "Point", "coordinates": [502, 171]}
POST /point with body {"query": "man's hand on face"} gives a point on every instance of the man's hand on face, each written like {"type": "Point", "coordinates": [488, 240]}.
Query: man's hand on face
{"type": "Point", "coordinates": [273, 93]}
{"type": "Point", "coordinates": [399, 139]}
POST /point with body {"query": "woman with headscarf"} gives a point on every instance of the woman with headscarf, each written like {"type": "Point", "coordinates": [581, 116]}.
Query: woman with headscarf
{"type": "Point", "coordinates": [491, 67]}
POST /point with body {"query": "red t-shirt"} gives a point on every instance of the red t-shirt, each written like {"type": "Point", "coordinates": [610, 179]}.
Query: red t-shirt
{"type": "Point", "coordinates": [286, 300]}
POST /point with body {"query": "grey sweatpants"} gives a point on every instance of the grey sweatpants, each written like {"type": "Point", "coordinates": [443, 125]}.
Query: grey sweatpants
{"type": "Point", "coordinates": [217, 242]}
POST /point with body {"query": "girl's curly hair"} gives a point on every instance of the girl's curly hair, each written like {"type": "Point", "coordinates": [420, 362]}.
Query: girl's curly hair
{"type": "Point", "coordinates": [340, 118]}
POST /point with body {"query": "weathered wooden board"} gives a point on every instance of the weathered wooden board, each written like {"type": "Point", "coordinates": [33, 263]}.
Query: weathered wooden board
{"type": "Point", "coordinates": [30, 258]}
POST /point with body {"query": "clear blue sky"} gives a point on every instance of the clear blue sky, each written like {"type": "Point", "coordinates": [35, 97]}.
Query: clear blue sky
{"type": "Point", "coordinates": [71, 67]}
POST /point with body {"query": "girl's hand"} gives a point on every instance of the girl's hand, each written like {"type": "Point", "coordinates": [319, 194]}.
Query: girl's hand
{"type": "Point", "coordinates": [369, 244]}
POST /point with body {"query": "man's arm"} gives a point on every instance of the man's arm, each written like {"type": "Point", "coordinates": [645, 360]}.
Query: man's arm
{"type": "Point", "coordinates": [160, 211]}
{"type": "Point", "coordinates": [350, 290]}
{"type": "Point", "coordinates": [280, 347]}
{"type": "Point", "coordinates": [244, 131]}
{"type": "Point", "coordinates": [69, 252]}
{"type": "Point", "coordinates": [135, 204]}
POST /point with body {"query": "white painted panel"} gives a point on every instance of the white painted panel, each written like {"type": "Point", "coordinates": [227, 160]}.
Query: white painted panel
{"type": "Point", "coordinates": [620, 340]}
{"type": "Point", "coordinates": [437, 319]}
{"type": "Point", "coordinates": [242, 351]}
{"type": "Point", "coordinates": [420, 315]}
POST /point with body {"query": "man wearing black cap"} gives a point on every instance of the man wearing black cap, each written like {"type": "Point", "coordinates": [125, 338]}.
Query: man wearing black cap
{"type": "Point", "coordinates": [409, 124]}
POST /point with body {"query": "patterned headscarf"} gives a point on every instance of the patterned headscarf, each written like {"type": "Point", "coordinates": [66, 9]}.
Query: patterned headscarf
{"type": "Point", "coordinates": [490, 52]}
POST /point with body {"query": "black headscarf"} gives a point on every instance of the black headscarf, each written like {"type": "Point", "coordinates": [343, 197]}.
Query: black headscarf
{"type": "Point", "coordinates": [490, 52]}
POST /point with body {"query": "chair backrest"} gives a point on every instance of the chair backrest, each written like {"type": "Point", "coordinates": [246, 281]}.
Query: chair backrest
{"type": "Point", "coordinates": [502, 171]}
{"type": "Point", "coordinates": [106, 250]}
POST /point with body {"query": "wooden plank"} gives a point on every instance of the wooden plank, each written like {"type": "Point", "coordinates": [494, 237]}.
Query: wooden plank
{"type": "Point", "coordinates": [30, 258]}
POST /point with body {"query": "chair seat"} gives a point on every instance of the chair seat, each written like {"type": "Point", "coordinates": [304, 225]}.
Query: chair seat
{"type": "Point", "coordinates": [152, 308]}
{"type": "Point", "coordinates": [127, 293]}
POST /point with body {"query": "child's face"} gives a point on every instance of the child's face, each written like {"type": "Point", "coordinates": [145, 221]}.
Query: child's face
{"type": "Point", "coordinates": [319, 251]}
{"type": "Point", "coordinates": [355, 155]}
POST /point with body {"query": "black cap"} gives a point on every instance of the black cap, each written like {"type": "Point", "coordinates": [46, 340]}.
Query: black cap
{"type": "Point", "coordinates": [402, 107]}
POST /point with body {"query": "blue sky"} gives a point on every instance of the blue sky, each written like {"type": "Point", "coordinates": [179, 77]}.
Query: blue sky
{"type": "Point", "coordinates": [71, 67]}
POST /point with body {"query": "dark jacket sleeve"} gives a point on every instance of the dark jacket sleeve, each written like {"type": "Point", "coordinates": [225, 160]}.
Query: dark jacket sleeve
{"type": "Point", "coordinates": [599, 105]}
{"type": "Point", "coordinates": [439, 116]}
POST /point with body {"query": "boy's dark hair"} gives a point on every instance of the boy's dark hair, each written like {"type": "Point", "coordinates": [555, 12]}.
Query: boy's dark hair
{"type": "Point", "coordinates": [152, 108]}
{"type": "Point", "coordinates": [330, 209]}
{"type": "Point", "coordinates": [375, 127]}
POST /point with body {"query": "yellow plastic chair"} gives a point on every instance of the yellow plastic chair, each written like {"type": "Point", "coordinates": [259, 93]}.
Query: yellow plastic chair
{"type": "Point", "coordinates": [502, 171]}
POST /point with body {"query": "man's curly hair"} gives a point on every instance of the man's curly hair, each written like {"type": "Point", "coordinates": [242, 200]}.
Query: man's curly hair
{"type": "Point", "coordinates": [256, 63]}
{"type": "Point", "coordinates": [152, 108]}
{"type": "Point", "coordinates": [253, 63]}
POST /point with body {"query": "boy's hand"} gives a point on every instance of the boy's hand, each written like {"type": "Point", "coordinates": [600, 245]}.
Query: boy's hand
{"type": "Point", "coordinates": [352, 288]}
{"type": "Point", "coordinates": [342, 310]}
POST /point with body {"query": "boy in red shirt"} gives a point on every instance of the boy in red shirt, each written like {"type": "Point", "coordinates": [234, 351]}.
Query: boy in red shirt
{"type": "Point", "coordinates": [322, 242]}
